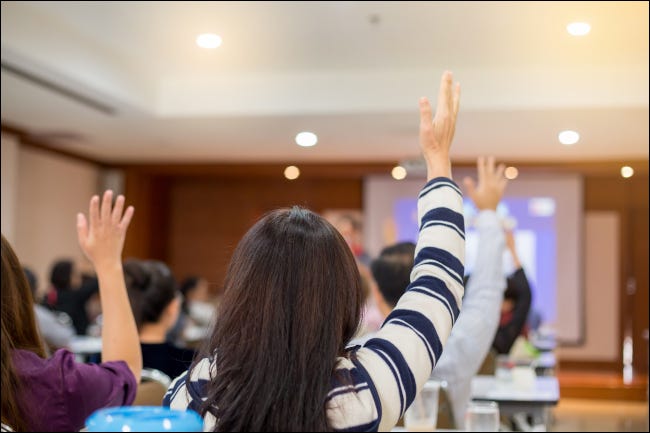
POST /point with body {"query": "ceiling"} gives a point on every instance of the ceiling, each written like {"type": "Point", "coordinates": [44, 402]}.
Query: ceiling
{"type": "Point", "coordinates": [351, 72]}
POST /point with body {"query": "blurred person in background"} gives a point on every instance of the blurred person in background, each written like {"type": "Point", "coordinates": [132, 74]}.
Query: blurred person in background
{"type": "Point", "coordinates": [57, 393]}
{"type": "Point", "coordinates": [68, 295]}
{"type": "Point", "coordinates": [352, 231]}
{"type": "Point", "coordinates": [516, 303]}
{"type": "Point", "coordinates": [156, 303]}
{"type": "Point", "coordinates": [55, 328]}
{"type": "Point", "coordinates": [196, 314]}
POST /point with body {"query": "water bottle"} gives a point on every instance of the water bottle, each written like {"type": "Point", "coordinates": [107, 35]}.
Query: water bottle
{"type": "Point", "coordinates": [144, 418]}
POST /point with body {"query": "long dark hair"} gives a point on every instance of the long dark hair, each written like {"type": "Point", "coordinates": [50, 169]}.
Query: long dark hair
{"type": "Point", "coordinates": [292, 300]}
{"type": "Point", "coordinates": [19, 331]}
{"type": "Point", "coordinates": [151, 288]}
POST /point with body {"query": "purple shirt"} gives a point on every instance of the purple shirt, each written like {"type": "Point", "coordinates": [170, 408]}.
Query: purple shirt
{"type": "Point", "coordinates": [58, 393]}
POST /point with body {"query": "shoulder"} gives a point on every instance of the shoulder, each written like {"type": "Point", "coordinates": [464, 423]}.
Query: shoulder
{"type": "Point", "coordinates": [352, 402]}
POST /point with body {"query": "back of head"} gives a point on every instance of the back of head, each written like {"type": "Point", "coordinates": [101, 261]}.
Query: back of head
{"type": "Point", "coordinates": [188, 285]}
{"type": "Point", "coordinates": [292, 299]}
{"type": "Point", "coordinates": [392, 270]}
{"type": "Point", "coordinates": [151, 288]}
{"type": "Point", "coordinates": [19, 331]}
{"type": "Point", "coordinates": [32, 281]}
{"type": "Point", "coordinates": [61, 274]}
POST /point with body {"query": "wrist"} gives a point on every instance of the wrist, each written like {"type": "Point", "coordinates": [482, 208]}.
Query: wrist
{"type": "Point", "coordinates": [438, 166]}
{"type": "Point", "coordinates": [108, 266]}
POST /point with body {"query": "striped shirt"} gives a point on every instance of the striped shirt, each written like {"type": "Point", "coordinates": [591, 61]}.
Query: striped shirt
{"type": "Point", "coordinates": [376, 383]}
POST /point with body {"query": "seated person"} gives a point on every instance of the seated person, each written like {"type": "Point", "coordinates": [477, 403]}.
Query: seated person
{"type": "Point", "coordinates": [476, 325]}
{"type": "Point", "coordinates": [156, 303]}
{"type": "Point", "coordinates": [41, 393]}
{"type": "Point", "coordinates": [516, 304]}
{"type": "Point", "coordinates": [197, 312]}
{"type": "Point", "coordinates": [69, 294]}
{"type": "Point", "coordinates": [55, 329]}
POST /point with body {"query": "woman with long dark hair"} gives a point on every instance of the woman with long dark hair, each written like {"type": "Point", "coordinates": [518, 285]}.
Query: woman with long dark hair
{"type": "Point", "coordinates": [277, 357]}
{"type": "Point", "coordinates": [58, 393]}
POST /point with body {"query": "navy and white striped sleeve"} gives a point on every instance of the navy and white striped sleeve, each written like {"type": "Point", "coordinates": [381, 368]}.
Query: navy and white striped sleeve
{"type": "Point", "coordinates": [401, 356]}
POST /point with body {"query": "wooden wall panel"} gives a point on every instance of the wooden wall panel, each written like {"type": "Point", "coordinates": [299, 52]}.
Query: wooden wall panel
{"type": "Point", "coordinates": [208, 216]}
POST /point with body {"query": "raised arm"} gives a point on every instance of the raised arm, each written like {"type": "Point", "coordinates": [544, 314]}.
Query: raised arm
{"type": "Point", "coordinates": [473, 333]}
{"type": "Point", "coordinates": [101, 237]}
{"type": "Point", "coordinates": [508, 333]}
{"type": "Point", "coordinates": [398, 361]}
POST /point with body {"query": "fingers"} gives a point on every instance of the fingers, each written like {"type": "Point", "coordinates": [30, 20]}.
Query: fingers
{"type": "Point", "coordinates": [489, 169]}
{"type": "Point", "coordinates": [480, 167]}
{"type": "Point", "coordinates": [105, 211]}
{"type": "Point", "coordinates": [82, 228]}
{"type": "Point", "coordinates": [425, 114]}
{"type": "Point", "coordinates": [456, 99]}
{"type": "Point", "coordinates": [117, 209]}
{"type": "Point", "coordinates": [499, 172]}
{"type": "Point", "coordinates": [93, 211]}
{"type": "Point", "coordinates": [126, 220]}
{"type": "Point", "coordinates": [444, 95]}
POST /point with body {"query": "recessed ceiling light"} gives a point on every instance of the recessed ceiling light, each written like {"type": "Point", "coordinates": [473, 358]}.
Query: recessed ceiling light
{"type": "Point", "coordinates": [306, 139]}
{"type": "Point", "coordinates": [208, 40]}
{"type": "Point", "coordinates": [398, 172]}
{"type": "Point", "coordinates": [627, 171]}
{"type": "Point", "coordinates": [511, 173]}
{"type": "Point", "coordinates": [291, 172]}
{"type": "Point", "coordinates": [578, 29]}
{"type": "Point", "coordinates": [568, 137]}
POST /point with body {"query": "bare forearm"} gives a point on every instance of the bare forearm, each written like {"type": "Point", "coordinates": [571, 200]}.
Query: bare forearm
{"type": "Point", "coordinates": [438, 166]}
{"type": "Point", "coordinates": [120, 340]}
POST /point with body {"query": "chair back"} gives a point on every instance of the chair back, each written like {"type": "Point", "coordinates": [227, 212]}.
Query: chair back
{"type": "Point", "coordinates": [152, 388]}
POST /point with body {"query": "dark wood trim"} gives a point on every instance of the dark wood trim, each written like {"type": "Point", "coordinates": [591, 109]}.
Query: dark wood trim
{"type": "Point", "coordinates": [590, 365]}
{"type": "Point", "coordinates": [605, 169]}
{"type": "Point", "coordinates": [28, 141]}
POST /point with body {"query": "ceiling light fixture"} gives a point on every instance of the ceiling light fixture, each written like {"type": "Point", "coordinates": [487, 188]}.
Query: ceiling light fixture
{"type": "Point", "coordinates": [291, 172]}
{"type": "Point", "coordinates": [208, 41]}
{"type": "Point", "coordinates": [627, 171]}
{"type": "Point", "coordinates": [568, 137]}
{"type": "Point", "coordinates": [398, 172]}
{"type": "Point", "coordinates": [578, 29]}
{"type": "Point", "coordinates": [511, 173]}
{"type": "Point", "coordinates": [306, 139]}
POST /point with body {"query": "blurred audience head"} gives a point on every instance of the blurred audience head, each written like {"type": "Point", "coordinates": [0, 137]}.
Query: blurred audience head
{"type": "Point", "coordinates": [509, 296]}
{"type": "Point", "coordinates": [152, 291]}
{"type": "Point", "coordinates": [64, 275]}
{"type": "Point", "coordinates": [32, 281]}
{"type": "Point", "coordinates": [195, 288]}
{"type": "Point", "coordinates": [392, 270]}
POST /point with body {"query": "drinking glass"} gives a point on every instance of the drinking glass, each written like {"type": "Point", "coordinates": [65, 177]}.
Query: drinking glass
{"type": "Point", "coordinates": [482, 416]}
{"type": "Point", "coordinates": [422, 415]}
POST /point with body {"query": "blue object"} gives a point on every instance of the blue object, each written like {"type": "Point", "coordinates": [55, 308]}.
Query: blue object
{"type": "Point", "coordinates": [144, 418]}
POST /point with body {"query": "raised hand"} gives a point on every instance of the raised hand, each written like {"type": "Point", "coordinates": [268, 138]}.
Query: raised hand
{"type": "Point", "coordinates": [437, 134]}
{"type": "Point", "coordinates": [102, 237]}
{"type": "Point", "coordinates": [491, 184]}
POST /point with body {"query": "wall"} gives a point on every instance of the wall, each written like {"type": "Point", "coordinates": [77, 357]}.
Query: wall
{"type": "Point", "coordinates": [193, 219]}
{"type": "Point", "coordinates": [9, 191]}
{"type": "Point", "coordinates": [50, 190]}
{"type": "Point", "coordinates": [601, 297]}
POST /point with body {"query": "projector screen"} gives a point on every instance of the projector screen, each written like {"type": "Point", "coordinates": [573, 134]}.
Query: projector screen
{"type": "Point", "coordinates": [546, 211]}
